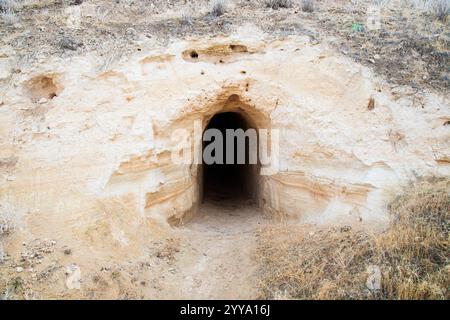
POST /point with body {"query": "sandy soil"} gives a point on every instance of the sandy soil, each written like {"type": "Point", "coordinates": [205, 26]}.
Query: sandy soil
{"type": "Point", "coordinates": [209, 257]}
{"type": "Point", "coordinates": [411, 48]}
{"type": "Point", "coordinates": [216, 259]}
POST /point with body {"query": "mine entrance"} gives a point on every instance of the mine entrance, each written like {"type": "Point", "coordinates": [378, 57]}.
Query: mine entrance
{"type": "Point", "coordinates": [230, 179]}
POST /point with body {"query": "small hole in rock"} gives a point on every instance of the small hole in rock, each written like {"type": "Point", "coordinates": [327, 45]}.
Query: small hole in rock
{"type": "Point", "coordinates": [238, 48]}
{"type": "Point", "coordinates": [371, 104]}
{"type": "Point", "coordinates": [194, 54]}
{"type": "Point", "coordinates": [43, 87]}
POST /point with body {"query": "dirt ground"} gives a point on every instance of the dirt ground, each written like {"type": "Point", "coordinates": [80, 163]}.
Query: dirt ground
{"type": "Point", "coordinates": [411, 47]}
{"type": "Point", "coordinates": [210, 257]}
{"type": "Point", "coordinates": [216, 259]}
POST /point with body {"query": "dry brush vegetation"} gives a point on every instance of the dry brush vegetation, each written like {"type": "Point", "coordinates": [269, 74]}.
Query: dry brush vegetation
{"type": "Point", "coordinates": [409, 260]}
{"type": "Point", "coordinates": [410, 48]}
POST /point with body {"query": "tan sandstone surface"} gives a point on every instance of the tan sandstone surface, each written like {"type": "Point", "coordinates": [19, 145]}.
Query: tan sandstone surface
{"type": "Point", "coordinates": [85, 149]}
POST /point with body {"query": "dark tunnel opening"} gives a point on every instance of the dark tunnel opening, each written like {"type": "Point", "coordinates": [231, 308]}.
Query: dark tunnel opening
{"type": "Point", "coordinates": [230, 181]}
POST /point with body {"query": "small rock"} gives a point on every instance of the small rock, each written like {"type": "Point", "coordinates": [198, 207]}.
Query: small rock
{"type": "Point", "coordinates": [376, 57]}
{"type": "Point", "coordinates": [67, 251]}
{"type": "Point", "coordinates": [42, 101]}
{"type": "Point", "coordinates": [19, 269]}
{"type": "Point", "coordinates": [69, 43]}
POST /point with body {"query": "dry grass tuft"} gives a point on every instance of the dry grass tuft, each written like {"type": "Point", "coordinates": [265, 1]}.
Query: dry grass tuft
{"type": "Point", "coordinates": [277, 4]}
{"type": "Point", "coordinates": [9, 17]}
{"type": "Point", "coordinates": [7, 12]}
{"type": "Point", "coordinates": [412, 254]}
{"type": "Point", "coordinates": [7, 5]}
{"type": "Point", "coordinates": [441, 9]}
{"type": "Point", "coordinates": [218, 8]}
{"type": "Point", "coordinates": [325, 265]}
{"type": "Point", "coordinates": [186, 16]}
{"type": "Point", "coordinates": [308, 5]}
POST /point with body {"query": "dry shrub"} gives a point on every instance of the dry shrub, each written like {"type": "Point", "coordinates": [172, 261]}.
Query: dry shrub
{"type": "Point", "coordinates": [218, 8]}
{"type": "Point", "coordinates": [412, 253]}
{"type": "Point", "coordinates": [415, 248]}
{"type": "Point", "coordinates": [308, 5]}
{"type": "Point", "coordinates": [441, 9]}
{"type": "Point", "coordinates": [328, 264]}
{"type": "Point", "coordinates": [7, 12]}
{"type": "Point", "coordinates": [186, 16]}
{"type": "Point", "coordinates": [7, 5]}
{"type": "Point", "coordinates": [276, 4]}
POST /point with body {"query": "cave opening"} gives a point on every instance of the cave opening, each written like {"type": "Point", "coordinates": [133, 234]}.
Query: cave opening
{"type": "Point", "coordinates": [231, 179]}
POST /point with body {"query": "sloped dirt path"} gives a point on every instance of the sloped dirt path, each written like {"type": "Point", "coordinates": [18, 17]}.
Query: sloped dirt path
{"type": "Point", "coordinates": [215, 260]}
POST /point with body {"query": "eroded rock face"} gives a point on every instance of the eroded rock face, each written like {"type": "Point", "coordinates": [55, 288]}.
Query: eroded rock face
{"type": "Point", "coordinates": [94, 156]}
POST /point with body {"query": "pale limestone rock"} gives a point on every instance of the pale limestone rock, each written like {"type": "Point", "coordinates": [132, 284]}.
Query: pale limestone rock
{"type": "Point", "coordinates": [95, 160]}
